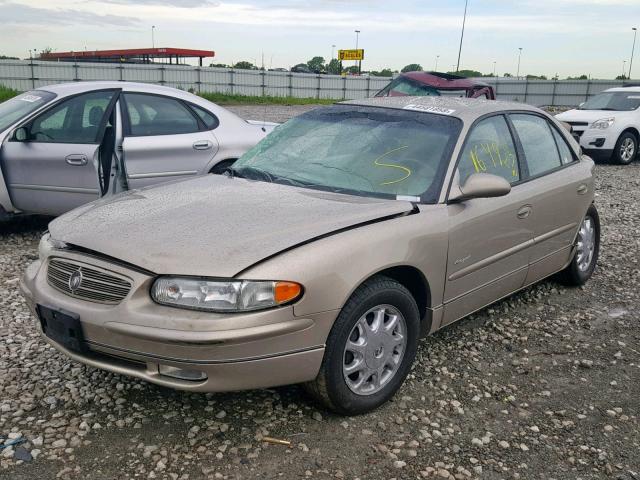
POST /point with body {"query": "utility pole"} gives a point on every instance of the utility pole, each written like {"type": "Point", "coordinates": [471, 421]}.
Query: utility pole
{"type": "Point", "coordinates": [624, 68]}
{"type": "Point", "coordinates": [359, 62]}
{"type": "Point", "coordinates": [153, 40]}
{"type": "Point", "coordinates": [464, 20]}
{"type": "Point", "coordinates": [494, 68]}
{"type": "Point", "coordinates": [635, 31]}
{"type": "Point", "coordinates": [437, 57]}
{"type": "Point", "coordinates": [519, 56]}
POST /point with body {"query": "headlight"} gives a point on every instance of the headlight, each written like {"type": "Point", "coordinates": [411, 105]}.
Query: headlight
{"type": "Point", "coordinates": [223, 295]}
{"type": "Point", "coordinates": [603, 123]}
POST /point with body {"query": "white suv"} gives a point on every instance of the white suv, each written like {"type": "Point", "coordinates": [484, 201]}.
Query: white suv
{"type": "Point", "coordinates": [607, 126]}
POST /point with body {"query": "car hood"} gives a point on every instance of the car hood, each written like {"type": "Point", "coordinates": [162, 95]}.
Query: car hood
{"type": "Point", "coordinates": [588, 116]}
{"type": "Point", "coordinates": [213, 225]}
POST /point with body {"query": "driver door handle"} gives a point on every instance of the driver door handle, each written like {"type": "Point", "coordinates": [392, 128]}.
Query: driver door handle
{"type": "Point", "coordinates": [202, 145]}
{"type": "Point", "coordinates": [524, 211]}
{"type": "Point", "coordinates": [76, 159]}
{"type": "Point", "coordinates": [582, 189]}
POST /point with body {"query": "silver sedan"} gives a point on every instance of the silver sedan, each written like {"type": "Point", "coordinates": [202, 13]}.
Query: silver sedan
{"type": "Point", "coordinates": [65, 145]}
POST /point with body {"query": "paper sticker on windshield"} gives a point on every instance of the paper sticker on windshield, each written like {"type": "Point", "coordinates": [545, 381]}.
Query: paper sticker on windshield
{"type": "Point", "coordinates": [429, 108]}
{"type": "Point", "coordinates": [635, 97]}
{"type": "Point", "coordinates": [30, 98]}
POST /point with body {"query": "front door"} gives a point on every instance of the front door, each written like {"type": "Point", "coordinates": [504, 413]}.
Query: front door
{"type": "Point", "coordinates": [489, 238]}
{"type": "Point", "coordinates": [164, 140]}
{"type": "Point", "coordinates": [56, 168]}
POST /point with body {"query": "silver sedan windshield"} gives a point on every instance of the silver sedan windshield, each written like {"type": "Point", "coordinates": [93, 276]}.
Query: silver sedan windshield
{"type": "Point", "coordinates": [18, 107]}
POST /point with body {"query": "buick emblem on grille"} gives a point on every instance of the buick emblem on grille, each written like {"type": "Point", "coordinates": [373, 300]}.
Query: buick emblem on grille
{"type": "Point", "coordinates": [75, 280]}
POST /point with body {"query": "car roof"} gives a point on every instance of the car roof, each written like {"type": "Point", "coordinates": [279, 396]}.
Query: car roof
{"type": "Point", "coordinates": [444, 80]}
{"type": "Point", "coordinates": [467, 109]}
{"type": "Point", "coordinates": [624, 89]}
{"type": "Point", "coordinates": [73, 88]}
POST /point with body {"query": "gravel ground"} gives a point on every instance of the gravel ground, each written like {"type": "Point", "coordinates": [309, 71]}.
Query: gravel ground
{"type": "Point", "coordinates": [544, 385]}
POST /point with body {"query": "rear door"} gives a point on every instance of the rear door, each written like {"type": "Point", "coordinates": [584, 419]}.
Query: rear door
{"type": "Point", "coordinates": [56, 168]}
{"type": "Point", "coordinates": [562, 189]}
{"type": "Point", "coordinates": [164, 139]}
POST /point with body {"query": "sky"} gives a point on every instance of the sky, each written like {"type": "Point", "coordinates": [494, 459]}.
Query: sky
{"type": "Point", "coordinates": [565, 37]}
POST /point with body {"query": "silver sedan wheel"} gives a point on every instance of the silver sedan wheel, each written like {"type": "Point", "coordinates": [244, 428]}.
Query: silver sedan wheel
{"type": "Point", "coordinates": [586, 244]}
{"type": "Point", "coordinates": [627, 149]}
{"type": "Point", "coordinates": [374, 350]}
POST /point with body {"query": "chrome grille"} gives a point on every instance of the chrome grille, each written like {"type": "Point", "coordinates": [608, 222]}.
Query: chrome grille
{"type": "Point", "coordinates": [97, 285]}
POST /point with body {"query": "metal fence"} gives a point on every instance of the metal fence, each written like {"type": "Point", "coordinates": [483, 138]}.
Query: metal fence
{"type": "Point", "coordinates": [26, 74]}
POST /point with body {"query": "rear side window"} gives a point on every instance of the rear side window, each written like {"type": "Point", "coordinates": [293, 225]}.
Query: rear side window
{"type": "Point", "coordinates": [538, 143]}
{"type": "Point", "coordinates": [208, 118]}
{"type": "Point", "coordinates": [489, 149]}
{"type": "Point", "coordinates": [157, 115]}
{"type": "Point", "coordinates": [565, 151]}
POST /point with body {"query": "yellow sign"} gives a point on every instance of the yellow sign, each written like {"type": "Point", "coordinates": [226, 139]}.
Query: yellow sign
{"type": "Point", "coordinates": [351, 54]}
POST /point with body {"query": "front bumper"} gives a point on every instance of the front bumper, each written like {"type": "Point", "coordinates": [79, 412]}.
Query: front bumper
{"type": "Point", "coordinates": [600, 155]}
{"type": "Point", "coordinates": [137, 337]}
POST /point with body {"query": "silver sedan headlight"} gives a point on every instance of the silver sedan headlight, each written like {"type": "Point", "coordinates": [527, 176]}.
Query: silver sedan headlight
{"type": "Point", "coordinates": [223, 295]}
{"type": "Point", "coordinates": [603, 123]}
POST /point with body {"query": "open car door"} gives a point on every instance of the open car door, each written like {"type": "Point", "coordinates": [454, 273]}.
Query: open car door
{"type": "Point", "coordinates": [61, 158]}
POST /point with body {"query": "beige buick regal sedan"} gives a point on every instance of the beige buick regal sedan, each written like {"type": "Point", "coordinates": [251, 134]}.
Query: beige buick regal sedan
{"type": "Point", "coordinates": [324, 253]}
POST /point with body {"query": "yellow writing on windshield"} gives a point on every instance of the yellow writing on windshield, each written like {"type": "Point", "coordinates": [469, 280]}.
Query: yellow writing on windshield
{"type": "Point", "coordinates": [378, 163]}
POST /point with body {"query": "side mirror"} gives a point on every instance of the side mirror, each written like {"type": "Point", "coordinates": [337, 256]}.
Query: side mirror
{"type": "Point", "coordinates": [21, 134]}
{"type": "Point", "coordinates": [480, 185]}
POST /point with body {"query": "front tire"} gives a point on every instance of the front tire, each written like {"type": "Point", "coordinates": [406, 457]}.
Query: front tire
{"type": "Point", "coordinates": [626, 149]}
{"type": "Point", "coordinates": [370, 349]}
{"type": "Point", "coordinates": [587, 250]}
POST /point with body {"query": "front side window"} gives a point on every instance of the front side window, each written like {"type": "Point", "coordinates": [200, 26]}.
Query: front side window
{"type": "Point", "coordinates": [358, 150]}
{"type": "Point", "coordinates": [157, 115]}
{"type": "Point", "coordinates": [76, 120]}
{"type": "Point", "coordinates": [19, 107]}
{"type": "Point", "coordinates": [538, 143]}
{"type": "Point", "coordinates": [489, 149]}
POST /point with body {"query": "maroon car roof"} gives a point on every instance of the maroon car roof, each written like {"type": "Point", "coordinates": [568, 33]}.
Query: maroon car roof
{"type": "Point", "coordinates": [442, 80]}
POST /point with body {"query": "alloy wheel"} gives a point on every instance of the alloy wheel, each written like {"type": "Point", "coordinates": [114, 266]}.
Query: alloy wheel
{"type": "Point", "coordinates": [586, 244]}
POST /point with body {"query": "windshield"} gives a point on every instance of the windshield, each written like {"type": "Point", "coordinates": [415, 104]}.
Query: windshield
{"type": "Point", "coordinates": [358, 150]}
{"type": "Point", "coordinates": [405, 86]}
{"type": "Point", "coordinates": [18, 107]}
{"type": "Point", "coordinates": [617, 101]}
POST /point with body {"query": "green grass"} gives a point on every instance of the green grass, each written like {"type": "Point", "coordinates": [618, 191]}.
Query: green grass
{"type": "Point", "coordinates": [222, 99]}
{"type": "Point", "coordinates": [7, 93]}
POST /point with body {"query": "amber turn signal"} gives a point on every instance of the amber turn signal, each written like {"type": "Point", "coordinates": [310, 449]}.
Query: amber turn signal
{"type": "Point", "coordinates": [286, 292]}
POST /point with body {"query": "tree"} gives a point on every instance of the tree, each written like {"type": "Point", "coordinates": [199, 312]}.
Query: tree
{"type": "Point", "coordinates": [244, 65]}
{"type": "Point", "coordinates": [219, 65]}
{"type": "Point", "coordinates": [622, 77]}
{"type": "Point", "coordinates": [536, 77]}
{"type": "Point", "coordinates": [412, 67]}
{"type": "Point", "coordinates": [385, 72]}
{"type": "Point", "coordinates": [334, 67]}
{"type": "Point", "coordinates": [5, 57]}
{"type": "Point", "coordinates": [352, 69]}
{"type": "Point", "coordinates": [581, 77]}
{"type": "Point", "coordinates": [507, 75]}
{"type": "Point", "coordinates": [316, 64]}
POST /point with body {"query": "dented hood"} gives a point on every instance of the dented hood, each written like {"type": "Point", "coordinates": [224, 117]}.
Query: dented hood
{"type": "Point", "coordinates": [213, 225]}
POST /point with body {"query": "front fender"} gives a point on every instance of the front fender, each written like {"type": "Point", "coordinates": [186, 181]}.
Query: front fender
{"type": "Point", "coordinates": [332, 267]}
{"type": "Point", "coordinates": [5, 198]}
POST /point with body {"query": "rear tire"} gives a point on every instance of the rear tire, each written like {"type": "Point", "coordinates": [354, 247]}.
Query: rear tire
{"type": "Point", "coordinates": [587, 250]}
{"type": "Point", "coordinates": [626, 149]}
{"type": "Point", "coordinates": [370, 349]}
{"type": "Point", "coordinates": [220, 168]}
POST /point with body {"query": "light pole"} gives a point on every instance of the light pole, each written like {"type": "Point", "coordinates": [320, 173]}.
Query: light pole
{"type": "Point", "coordinates": [358, 62]}
{"type": "Point", "coordinates": [624, 69]}
{"type": "Point", "coordinates": [333, 48]}
{"type": "Point", "coordinates": [153, 39]}
{"type": "Point", "coordinates": [437, 58]}
{"type": "Point", "coordinates": [635, 31]}
{"type": "Point", "coordinates": [494, 68]}
{"type": "Point", "coordinates": [464, 20]}
{"type": "Point", "coordinates": [519, 56]}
